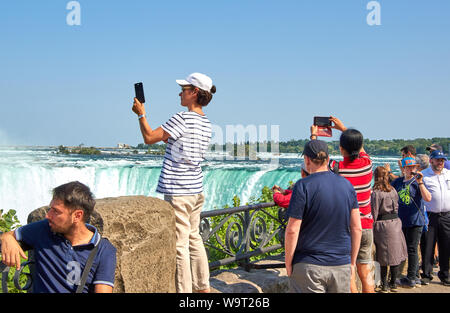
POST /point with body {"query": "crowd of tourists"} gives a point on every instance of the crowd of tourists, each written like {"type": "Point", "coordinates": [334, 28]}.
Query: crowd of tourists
{"type": "Point", "coordinates": [339, 224]}
{"type": "Point", "coordinates": [335, 215]}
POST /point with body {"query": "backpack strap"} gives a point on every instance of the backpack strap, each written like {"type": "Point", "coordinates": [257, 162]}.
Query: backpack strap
{"type": "Point", "coordinates": [88, 266]}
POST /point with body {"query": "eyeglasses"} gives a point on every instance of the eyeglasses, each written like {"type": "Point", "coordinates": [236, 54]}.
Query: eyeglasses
{"type": "Point", "coordinates": [183, 88]}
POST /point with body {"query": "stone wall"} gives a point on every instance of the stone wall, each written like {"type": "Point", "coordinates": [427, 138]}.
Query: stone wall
{"type": "Point", "coordinates": [143, 231]}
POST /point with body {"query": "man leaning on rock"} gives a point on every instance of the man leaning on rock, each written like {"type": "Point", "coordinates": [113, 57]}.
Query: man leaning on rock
{"type": "Point", "coordinates": [62, 244]}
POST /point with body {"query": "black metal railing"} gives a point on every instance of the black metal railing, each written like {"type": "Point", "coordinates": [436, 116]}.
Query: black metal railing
{"type": "Point", "coordinates": [234, 235]}
{"type": "Point", "coordinates": [22, 278]}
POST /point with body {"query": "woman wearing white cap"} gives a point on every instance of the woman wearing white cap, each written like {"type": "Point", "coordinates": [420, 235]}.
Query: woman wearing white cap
{"type": "Point", "coordinates": [187, 135]}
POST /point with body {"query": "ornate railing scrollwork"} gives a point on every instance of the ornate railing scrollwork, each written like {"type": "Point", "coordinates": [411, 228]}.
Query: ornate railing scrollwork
{"type": "Point", "coordinates": [17, 276]}
{"type": "Point", "coordinates": [20, 286]}
{"type": "Point", "coordinates": [28, 275]}
{"type": "Point", "coordinates": [234, 237]}
{"type": "Point", "coordinates": [242, 232]}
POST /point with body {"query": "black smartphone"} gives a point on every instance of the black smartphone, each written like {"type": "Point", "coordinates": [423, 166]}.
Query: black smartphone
{"type": "Point", "coordinates": [139, 90]}
{"type": "Point", "coordinates": [323, 121]}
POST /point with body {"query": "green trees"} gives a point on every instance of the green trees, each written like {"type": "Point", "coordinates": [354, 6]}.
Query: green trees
{"type": "Point", "coordinates": [79, 150]}
{"type": "Point", "coordinates": [373, 147]}
{"type": "Point", "coordinates": [392, 147]}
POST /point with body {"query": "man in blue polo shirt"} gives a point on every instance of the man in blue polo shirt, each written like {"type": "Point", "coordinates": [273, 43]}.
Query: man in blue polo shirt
{"type": "Point", "coordinates": [62, 244]}
{"type": "Point", "coordinates": [323, 234]}
{"type": "Point", "coordinates": [437, 181]}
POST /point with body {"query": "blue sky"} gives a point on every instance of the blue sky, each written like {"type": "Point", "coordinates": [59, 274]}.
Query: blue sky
{"type": "Point", "coordinates": [273, 62]}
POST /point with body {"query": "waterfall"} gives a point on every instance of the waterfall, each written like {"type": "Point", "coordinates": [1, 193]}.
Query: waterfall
{"type": "Point", "coordinates": [28, 175]}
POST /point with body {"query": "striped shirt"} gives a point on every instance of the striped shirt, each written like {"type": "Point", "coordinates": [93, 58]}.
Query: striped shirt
{"type": "Point", "coordinates": [359, 173]}
{"type": "Point", "coordinates": [181, 174]}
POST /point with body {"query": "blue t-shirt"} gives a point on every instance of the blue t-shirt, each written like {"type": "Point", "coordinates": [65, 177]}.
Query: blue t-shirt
{"type": "Point", "coordinates": [59, 266]}
{"type": "Point", "coordinates": [323, 201]}
{"type": "Point", "coordinates": [410, 210]}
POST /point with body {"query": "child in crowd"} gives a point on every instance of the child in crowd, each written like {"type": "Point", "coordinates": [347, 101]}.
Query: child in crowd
{"type": "Point", "coordinates": [387, 229]}
{"type": "Point", "coordinates": [411, 190]}
{"type": "Point", "coordinates": [283, 197]}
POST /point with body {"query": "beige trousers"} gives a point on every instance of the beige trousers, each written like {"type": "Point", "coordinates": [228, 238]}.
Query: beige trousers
{"type": "Point", "coordinates": [192, 273]}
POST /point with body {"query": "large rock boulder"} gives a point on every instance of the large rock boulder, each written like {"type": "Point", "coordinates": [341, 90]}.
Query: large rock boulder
{"type": "Point", "coordinates": [143, 231]}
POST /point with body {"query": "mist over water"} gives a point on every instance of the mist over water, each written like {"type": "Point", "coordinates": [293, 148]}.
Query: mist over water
{"type": "Point", "coordinates": [28, 175]}
{"type": "Point", "coordinates": [4, 141]}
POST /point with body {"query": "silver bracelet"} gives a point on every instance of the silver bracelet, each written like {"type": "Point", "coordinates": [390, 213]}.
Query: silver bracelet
{"type": "Point", "coordinates": [141, 116]}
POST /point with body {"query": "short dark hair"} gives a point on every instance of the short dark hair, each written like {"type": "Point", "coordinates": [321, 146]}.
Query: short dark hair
{"type": "Point", "coordinates": [351, 141]}
{"type": "Point", "coordinates": [408, 149]}
{"type": "Point", "coordinates": [76, 196]}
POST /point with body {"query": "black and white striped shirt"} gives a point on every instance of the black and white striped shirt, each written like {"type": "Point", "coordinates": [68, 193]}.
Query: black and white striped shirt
{"type": "Point", "coordinates": [181, 174]}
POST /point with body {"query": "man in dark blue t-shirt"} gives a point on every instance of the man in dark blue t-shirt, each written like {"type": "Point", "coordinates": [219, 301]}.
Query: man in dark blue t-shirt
{"type": "Point", "coordinates": [324, 228]}
{"type": "Point", "coordinates": [62, 244]}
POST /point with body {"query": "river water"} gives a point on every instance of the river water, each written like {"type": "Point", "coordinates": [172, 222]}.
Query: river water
{"type": "Point", "coordinates": [28, 175]}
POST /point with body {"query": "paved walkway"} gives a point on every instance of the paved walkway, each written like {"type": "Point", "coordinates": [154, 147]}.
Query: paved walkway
{"type": "Point", "coordinates": [276, 281]}
{"type": "Point", "coordinates": [435, 286]}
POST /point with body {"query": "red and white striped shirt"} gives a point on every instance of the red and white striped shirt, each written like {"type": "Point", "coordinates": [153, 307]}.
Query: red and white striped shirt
{"type": "Point", "coordinates": [359, 173]}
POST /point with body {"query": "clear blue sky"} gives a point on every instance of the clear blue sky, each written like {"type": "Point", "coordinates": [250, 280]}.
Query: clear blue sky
{"type": "Point", "coordinates": [273, 62]}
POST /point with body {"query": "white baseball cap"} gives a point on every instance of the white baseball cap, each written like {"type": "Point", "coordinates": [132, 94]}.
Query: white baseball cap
{"type": "Point", "coordinates": [198, 80]}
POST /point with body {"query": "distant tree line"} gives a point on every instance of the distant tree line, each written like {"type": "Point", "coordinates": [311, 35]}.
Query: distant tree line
{"type": "Point", "coordinates": [392, 147]}
{"type": "Point", "coordinates": [78, 150]}
{"type": "Point", "coordinates": [155, 149]}
{"type": "Point", "coordinates": [373, 147]}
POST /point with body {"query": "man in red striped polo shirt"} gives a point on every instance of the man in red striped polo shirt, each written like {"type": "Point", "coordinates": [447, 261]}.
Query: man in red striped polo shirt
{"type": "Point", "coordinates": [357, 168]}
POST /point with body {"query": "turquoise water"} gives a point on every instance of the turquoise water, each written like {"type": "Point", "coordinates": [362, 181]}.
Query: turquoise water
{"type": "Point", "coordinates": [27, 176]}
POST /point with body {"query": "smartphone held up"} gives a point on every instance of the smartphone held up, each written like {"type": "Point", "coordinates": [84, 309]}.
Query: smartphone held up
{"type": "Point", "coordinates": [139, 91]}
{"type": "Point", "coordinates": [323, 124]}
